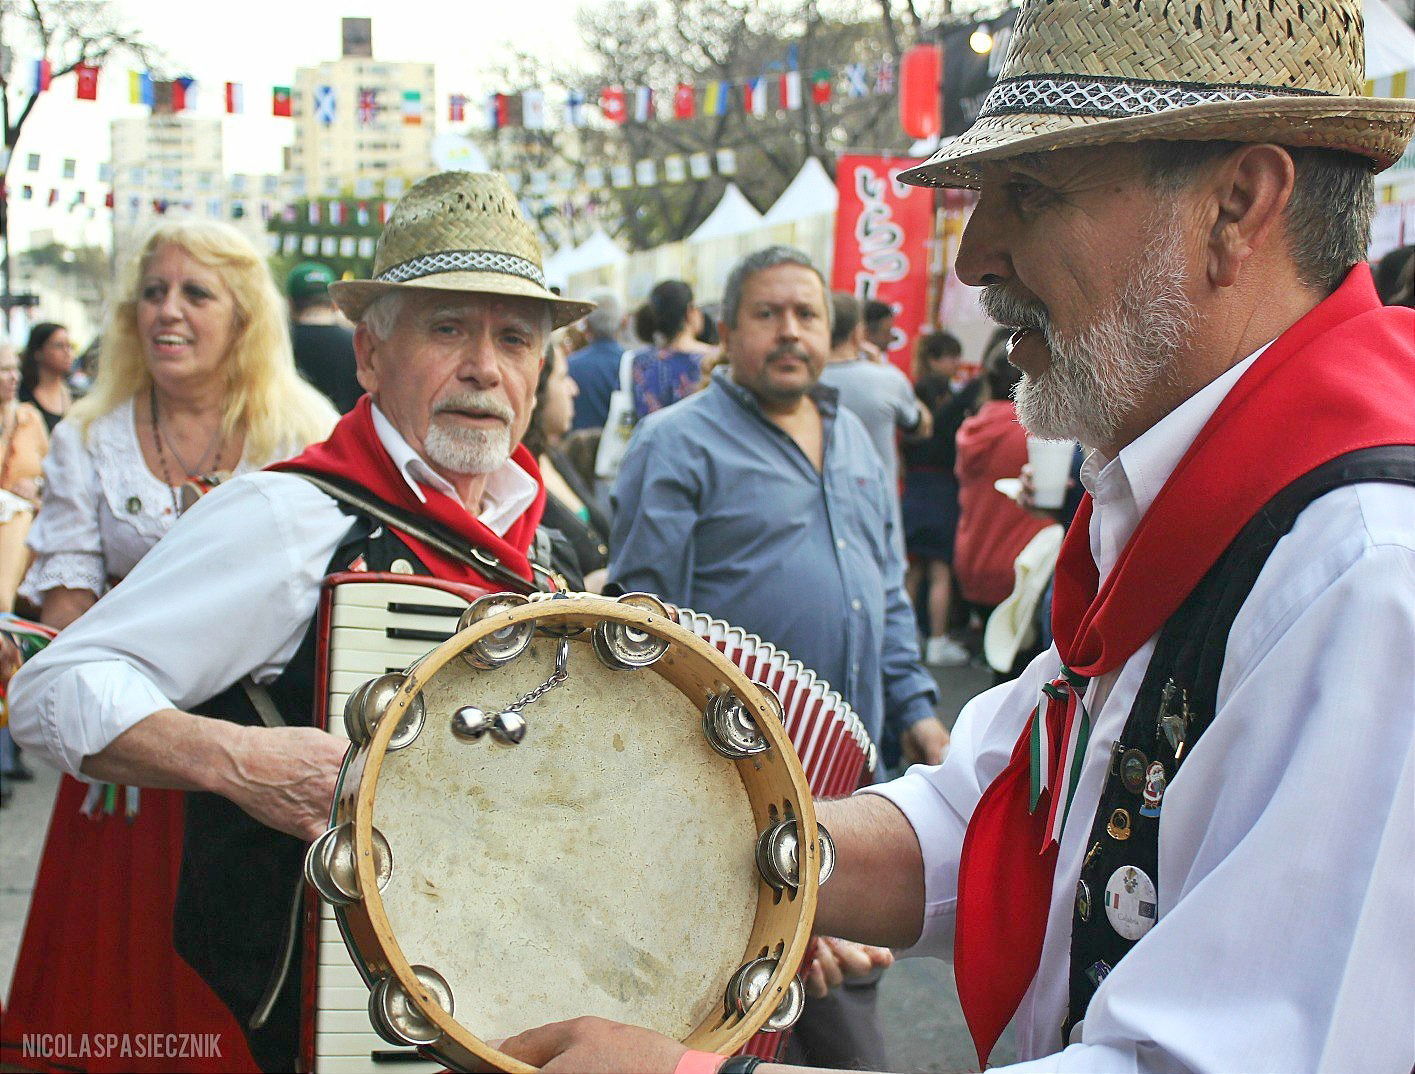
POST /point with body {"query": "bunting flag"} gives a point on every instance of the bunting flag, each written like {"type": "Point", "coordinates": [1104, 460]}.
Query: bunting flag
{"type": "Point", "coordinates": [716, 97]}
{"type": "Point", "coordinates": [646, 173]}
{"type": "Point", "coordinates": [53, 196]}
{"type": "Point", "coordinates": [700, 166]}
{"type": "Point", "coordinates": [611, 103]}
{"type": "Point", "coordinates": [884, 76]}
{"type": "Point", "coordinates": [533, 110]}
{"type": "Point", "coordinates": [643, 105]}
{"type": "Point", "coordinates": [754, 97]}
{"type": "Point", "coordinates": [361, 214]}
{"type": "Point", "coordinates": [457, 108]}
{"type": "Point", "coordinates": [385, 210]}
{"type": "Point", "coordinates": [314, 214]}
{"type": "Point", "coordinates": [856, 82]}
{"type": "Point", "coordinates": [791, 91]}
{"type": "Point", "coordinates": [820, 85]}
{"type": "Point", "coordinates": [87, 76]}
{"type": "Point", "coordinates": [42, 73]}
{"type": "Point", "coordinates": [684, 101]}
{"type": "Point", "coordinates": [412, 108]}
{"type": "Point", "coordinates": [324, 105]}
{"type": "Point", "coordinates": [140, 88]}
{"type": "Point", "coordinates": [674, 169]}
{"type": "Point", "coordinates": [281, 101]}
{"type": "Point", "coordinates": [235, 98]}
{"type": "Point", "coordinates": [336, 213]}
{"type": "Point", "coordinates": [368, 105]}
{"type": "Point", "coordinates": [575, 109]}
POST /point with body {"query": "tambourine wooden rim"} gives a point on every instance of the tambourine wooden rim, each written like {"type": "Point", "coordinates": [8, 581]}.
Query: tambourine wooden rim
{"type": "Point", "coordinates": [764, 776]}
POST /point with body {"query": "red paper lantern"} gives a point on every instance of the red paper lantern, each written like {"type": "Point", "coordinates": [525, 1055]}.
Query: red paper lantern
{"type": "Point", "coordinates": [920, 74]}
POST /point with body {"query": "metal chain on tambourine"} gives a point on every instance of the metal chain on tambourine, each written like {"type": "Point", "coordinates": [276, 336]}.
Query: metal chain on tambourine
{"type": "Point", "coordinates": [562, 664]}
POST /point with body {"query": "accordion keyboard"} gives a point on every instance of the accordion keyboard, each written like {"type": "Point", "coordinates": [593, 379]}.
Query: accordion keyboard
{"type": "Point", "coordinates": [374, 627]}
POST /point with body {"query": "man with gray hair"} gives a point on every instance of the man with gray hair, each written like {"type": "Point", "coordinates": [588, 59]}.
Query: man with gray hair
{"type": "Point", "coordinates": [595, 366]}
{"type": "Point", "coordinates": [174, 679]}
{"type": "Point", "coordinates": [761, 501]}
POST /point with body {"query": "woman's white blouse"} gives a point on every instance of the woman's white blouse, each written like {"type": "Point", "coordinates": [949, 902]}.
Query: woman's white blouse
{"type": "Point", "coordinates": [103, 508]}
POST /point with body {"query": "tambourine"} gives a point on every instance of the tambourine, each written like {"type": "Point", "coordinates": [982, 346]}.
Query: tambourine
{"type": "Point", "coordinates": [572, 807]}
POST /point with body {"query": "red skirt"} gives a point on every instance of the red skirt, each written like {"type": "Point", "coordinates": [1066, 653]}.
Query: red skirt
{"type": "Point", "coordinates": [98, 986]}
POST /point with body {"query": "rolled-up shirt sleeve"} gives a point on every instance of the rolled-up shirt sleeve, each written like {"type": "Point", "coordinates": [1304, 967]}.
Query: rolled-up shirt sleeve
{"type": "Point", "coordinates": [938, 800]}
{"type": "Point", "coordinates": [68, 550]}
{"type": "Point", "coordinates": [228, 593]}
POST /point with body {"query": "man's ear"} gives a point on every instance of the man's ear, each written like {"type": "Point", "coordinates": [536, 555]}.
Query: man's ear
{"type": "Point", "coordinates": [1248, 205]}
{"type": "Point", "coordinates": [365, 346]}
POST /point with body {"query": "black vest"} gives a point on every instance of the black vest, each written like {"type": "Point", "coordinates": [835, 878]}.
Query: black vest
{"type": "Point", "coordinates": [1174, 706]}
{"type": "Point", "coordinates": [240, 901]}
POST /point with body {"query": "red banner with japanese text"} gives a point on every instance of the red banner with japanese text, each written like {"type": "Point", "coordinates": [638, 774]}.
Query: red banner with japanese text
{"type": "Point", "coordinates": [882, 230]}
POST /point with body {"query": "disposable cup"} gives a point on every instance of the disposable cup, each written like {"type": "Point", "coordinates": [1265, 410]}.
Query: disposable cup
{"type": "Point", "coordinates": [1051, 469]}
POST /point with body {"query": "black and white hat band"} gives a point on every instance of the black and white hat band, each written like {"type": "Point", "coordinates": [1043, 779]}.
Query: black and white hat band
{"type": "Point", "coordinates": [1115, 98]}
{"type": "Point", "coordinates": [463, 261]}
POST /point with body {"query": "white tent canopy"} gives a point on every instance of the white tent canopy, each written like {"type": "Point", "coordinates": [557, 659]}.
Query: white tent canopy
{"type": "Point", "coordinates": [733, 215]}
{"type": "Point", "coordinates": [811, 193]}
{"type": "Point", "coordinates": [598, 251]}
{"type": "Point", "coordinates": [1390, 44]}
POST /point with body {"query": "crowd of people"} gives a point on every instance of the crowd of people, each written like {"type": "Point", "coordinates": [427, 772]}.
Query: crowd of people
{"type": "Point", "coordinates": [1170, 312]}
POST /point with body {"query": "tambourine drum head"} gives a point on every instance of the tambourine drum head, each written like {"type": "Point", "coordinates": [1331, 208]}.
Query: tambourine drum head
{"type": "Point", "coordinates": [603, 866]}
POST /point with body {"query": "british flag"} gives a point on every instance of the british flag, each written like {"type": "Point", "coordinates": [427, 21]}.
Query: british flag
{"type": "Point", "coordinates": [368, 106]}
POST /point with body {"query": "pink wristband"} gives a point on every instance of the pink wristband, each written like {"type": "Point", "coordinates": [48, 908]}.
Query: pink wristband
{"type": "Point", "coordinates": [699, 1063]}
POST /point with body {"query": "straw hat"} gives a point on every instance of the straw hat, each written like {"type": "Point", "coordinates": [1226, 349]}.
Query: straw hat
{"type": "Point", "coordinates": [1084, 73]}
{"type": "Point", "coordinates": [457, 231]}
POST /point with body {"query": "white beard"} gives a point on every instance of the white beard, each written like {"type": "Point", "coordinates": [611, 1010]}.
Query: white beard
{"type": "Point", "coordinates": [468, 451]}
{"type": "Point", "coordinates": [1098, 378]}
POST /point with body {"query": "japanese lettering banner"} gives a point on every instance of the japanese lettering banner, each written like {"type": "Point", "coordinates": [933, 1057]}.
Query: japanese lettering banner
{"type": "Point", "coordinates": [882, 230]}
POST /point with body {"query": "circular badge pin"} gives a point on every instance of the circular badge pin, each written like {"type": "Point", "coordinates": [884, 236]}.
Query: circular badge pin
{"type": "Point", "coordinates": [134, 505]}
{"type": "Point", "coordinates": [1083, 900]}
{"type": "Point", "coordinates": [1131, 903]}
{"type": "Point", "coordinates": [1154, 790]}
{"type": "Point", "coordinates": [1119, 826]}
{"type": "Point", "coordinates": [1132, 770]}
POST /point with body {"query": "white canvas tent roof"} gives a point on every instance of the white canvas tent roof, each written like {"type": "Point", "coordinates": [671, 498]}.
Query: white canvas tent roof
{"type": "Point", "coordinates": [595, 252]}
{"type": "Point", "coordinates": [1390, 44]}
{"type": "Point", "coordinates": [732, 216]}
{"type": "Point", "coordinates": [811, 193]}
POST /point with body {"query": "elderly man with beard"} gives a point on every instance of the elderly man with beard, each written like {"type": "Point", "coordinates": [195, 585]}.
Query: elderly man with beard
{"type": "Point", "coordinates": [172, 679]}
{"type": "Point", "coordinates": [1181, 840]}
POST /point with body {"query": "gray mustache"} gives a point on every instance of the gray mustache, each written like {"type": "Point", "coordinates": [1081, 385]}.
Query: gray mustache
{"type": "Point", "coordinates": [483, 401]}
{"type": "Point", "coordinates": [1008, 309]}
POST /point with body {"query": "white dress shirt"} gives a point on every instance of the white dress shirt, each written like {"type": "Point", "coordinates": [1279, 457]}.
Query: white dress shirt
{"type": "Point", "coordinates": [1286, 935]}
{"type": "Point", "coordinates": [230, 591]}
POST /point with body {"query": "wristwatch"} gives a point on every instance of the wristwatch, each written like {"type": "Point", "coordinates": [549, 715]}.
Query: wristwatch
{"type": "Point", "coordinates": [741, 1064]}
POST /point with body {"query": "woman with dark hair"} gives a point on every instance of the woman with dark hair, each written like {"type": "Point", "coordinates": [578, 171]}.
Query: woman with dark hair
{"type": "Point", "coordinates": [45, 364]}
{"type": "Point", "coordinates": [930, 501]}
{"type": "Point", "coordinates": [671, 365]}
{"type": "Point", "coordinates": [569, 505]}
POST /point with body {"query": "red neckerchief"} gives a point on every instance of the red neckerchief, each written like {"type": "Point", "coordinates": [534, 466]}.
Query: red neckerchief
{"type": "Point", "coordinates": [354, 451]}
{"type": "Point", "coordinates": [1346, 372]}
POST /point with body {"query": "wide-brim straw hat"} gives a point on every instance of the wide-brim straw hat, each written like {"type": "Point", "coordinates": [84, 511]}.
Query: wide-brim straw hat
{"type": "Point", "coordinates": [1085, 73]}
{"type": "Point", "coordinates": [457, 231]}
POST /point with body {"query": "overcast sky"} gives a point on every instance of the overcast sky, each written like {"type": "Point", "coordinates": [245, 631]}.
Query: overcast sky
{"type": "Point", "coordinates": [260, 43]}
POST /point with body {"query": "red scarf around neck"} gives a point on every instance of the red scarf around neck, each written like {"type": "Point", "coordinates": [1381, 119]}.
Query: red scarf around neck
{"type": "Point", "coordinates": [354, 451]}
{"type": "Point", "coordinates": [1342, 378]}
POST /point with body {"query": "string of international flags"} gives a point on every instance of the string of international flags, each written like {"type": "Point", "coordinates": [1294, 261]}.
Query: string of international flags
{"type": "Point", "coordinates": [617, 105]}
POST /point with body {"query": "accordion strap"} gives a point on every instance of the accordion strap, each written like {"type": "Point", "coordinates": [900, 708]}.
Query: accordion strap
{"type": "Point", "coordinates": [429, 532]}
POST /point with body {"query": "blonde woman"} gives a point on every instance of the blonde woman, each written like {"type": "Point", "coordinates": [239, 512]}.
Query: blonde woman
{"type": "Point", "coordinates": [195, 383]}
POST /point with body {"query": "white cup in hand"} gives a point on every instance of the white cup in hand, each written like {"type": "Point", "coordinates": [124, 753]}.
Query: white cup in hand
{"type": "Point", "coordinates": [1050, 461]}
